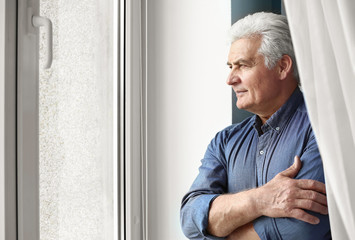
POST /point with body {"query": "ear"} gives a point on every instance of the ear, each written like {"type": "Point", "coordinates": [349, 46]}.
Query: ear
{"type": "Point", "coordinates": [285, 66]}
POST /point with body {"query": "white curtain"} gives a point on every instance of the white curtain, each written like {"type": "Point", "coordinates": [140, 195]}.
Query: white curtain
{"type": "Point", "coordinates": [323, 33]}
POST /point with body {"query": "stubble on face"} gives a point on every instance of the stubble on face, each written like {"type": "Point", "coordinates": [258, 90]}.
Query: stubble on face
{"type": "Point", "coordinates": [254, 84]}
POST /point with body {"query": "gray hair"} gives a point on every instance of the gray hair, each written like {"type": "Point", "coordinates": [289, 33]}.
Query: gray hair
{"type": "Point", "coordinates": [275, 33]}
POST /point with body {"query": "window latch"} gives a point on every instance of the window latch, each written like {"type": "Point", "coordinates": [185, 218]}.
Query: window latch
{"type": "Point", "coordinates": [46, 23]}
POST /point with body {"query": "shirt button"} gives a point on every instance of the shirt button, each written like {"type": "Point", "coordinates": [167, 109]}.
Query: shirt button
{"type": "Point", "coordinates": [261, 152]}
{"type": "Point", "coordinates": [277, 128]}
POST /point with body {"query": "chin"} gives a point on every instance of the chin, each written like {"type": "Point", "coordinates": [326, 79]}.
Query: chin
{"type": "Point", "coordinates": [241, 106]}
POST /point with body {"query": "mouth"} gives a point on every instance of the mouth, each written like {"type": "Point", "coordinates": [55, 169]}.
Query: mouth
{"type": "Point", "coordinates": [240, 92]}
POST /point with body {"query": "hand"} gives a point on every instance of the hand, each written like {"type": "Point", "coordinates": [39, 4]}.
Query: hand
{"type": "Point", "coordinates": [284, 196]}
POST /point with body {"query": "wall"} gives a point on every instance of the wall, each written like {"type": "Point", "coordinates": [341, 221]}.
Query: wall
{"type": "Point", "coordinates": [188, 100]}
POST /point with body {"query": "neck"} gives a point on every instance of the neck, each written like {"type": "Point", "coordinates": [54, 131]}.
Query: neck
{"type": "Point", "coordinates": [282, 99]}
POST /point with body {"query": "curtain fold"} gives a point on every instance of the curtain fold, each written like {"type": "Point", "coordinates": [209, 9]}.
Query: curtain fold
{"type": "Point", "coordinates": [323, 35]}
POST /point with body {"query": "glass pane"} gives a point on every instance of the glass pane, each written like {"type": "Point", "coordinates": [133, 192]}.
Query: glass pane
{"type": "Point", "coordinates": [77, 110]}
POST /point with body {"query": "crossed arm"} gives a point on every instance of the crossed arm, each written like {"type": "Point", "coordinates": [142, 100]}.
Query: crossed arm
{"type": "Point", "coordinates": [232, 214]}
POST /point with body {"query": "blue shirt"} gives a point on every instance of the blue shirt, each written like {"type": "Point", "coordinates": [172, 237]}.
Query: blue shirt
{"type": "Point", "coordinates": [248, 155]}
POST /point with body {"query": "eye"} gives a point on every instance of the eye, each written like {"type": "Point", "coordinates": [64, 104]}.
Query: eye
{"type": "Point", "coordinates": [242, 66]}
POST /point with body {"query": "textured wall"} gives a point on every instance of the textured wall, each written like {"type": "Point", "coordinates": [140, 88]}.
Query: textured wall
{"type": "Point", "coordinates": [76, 122]}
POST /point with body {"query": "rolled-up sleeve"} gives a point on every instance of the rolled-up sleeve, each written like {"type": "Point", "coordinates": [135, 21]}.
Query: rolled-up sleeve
{"type": "Point", "coordinates": [209, 184]}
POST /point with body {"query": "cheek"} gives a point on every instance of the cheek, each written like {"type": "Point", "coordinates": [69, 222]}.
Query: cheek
{"type": "Point", "coordinates": [253, 83]}
{"type": "Point", "coordinates": [256, 87]}
{"type": "Point", "coordinates": [265, 89]}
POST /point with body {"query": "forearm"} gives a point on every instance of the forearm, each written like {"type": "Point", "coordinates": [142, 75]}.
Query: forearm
{"type": "Point", "coordinates": [245, 232]}
{"type": "Point", "coordinates": [230, 211]}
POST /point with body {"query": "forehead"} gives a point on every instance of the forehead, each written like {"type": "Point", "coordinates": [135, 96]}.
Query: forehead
{"type": "Point", "coordinates": [244, 48]}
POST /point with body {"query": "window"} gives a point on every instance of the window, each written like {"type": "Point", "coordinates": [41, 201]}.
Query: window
{"type": "Point", "coordinates": [67, 120]}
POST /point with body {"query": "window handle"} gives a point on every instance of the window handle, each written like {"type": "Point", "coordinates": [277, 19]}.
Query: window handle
{"type": "Point", "coordinates": [46, 23]}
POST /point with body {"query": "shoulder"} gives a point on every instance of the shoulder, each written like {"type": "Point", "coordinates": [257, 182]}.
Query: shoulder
{"type": "Point", "coordinates": [301, 120]}
{"type": "Point", "coordinates": [302, 108]}
{"type": "Point", "coordinates": [225, 135]}
{"type": "Point", "coordinates": [300, 128]}
{"type": "Point", "coordinates": [230, 133]}
{"type": "Point", "coordinates": [220, 145]}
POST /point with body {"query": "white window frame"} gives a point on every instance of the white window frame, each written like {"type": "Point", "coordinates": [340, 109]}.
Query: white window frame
{"type": "Point", "coordinates": [135, 120]}
{"type": "Point", "coordinates": [8, 223]}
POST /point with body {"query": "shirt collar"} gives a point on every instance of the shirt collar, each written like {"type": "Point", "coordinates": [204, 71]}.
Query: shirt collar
{"type": "Point", "coordinates": [280, 118]}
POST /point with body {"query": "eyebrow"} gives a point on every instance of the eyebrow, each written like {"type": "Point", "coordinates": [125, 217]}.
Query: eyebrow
{"type": "Point", "coordinates": [240, 61]}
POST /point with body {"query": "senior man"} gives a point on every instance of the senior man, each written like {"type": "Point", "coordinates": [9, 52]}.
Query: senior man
{"type": "Point", "coordinates": [261, 178]}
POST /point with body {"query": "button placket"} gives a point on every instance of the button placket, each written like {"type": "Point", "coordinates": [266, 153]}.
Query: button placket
{"type": "Point", "coordinates": [260, 157]}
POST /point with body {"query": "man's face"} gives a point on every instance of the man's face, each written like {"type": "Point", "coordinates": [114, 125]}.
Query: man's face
{"type": "Point", "coordinates": [255, 85]}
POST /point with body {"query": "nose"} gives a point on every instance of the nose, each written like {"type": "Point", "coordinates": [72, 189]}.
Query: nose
{"type": "Point", "coordinates": [233, 77]}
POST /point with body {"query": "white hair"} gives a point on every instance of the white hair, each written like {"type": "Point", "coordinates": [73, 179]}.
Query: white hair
{"type": "Point", "coordinates": [275, 33]}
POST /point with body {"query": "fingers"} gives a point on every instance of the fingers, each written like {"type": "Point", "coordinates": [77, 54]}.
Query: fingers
{"type": "Point", "coordinates": [292, 171]}
{"type": "Point", "coordinates": [294, 197]}
{"type": "Point", "coordinates": [313, 196]}
{"type": "Point", "coordinates": [308, 184]}
{"type": "Point", "coordinates": [304, 216]}
{"type": "Point", "coordinates": [310, 205]}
